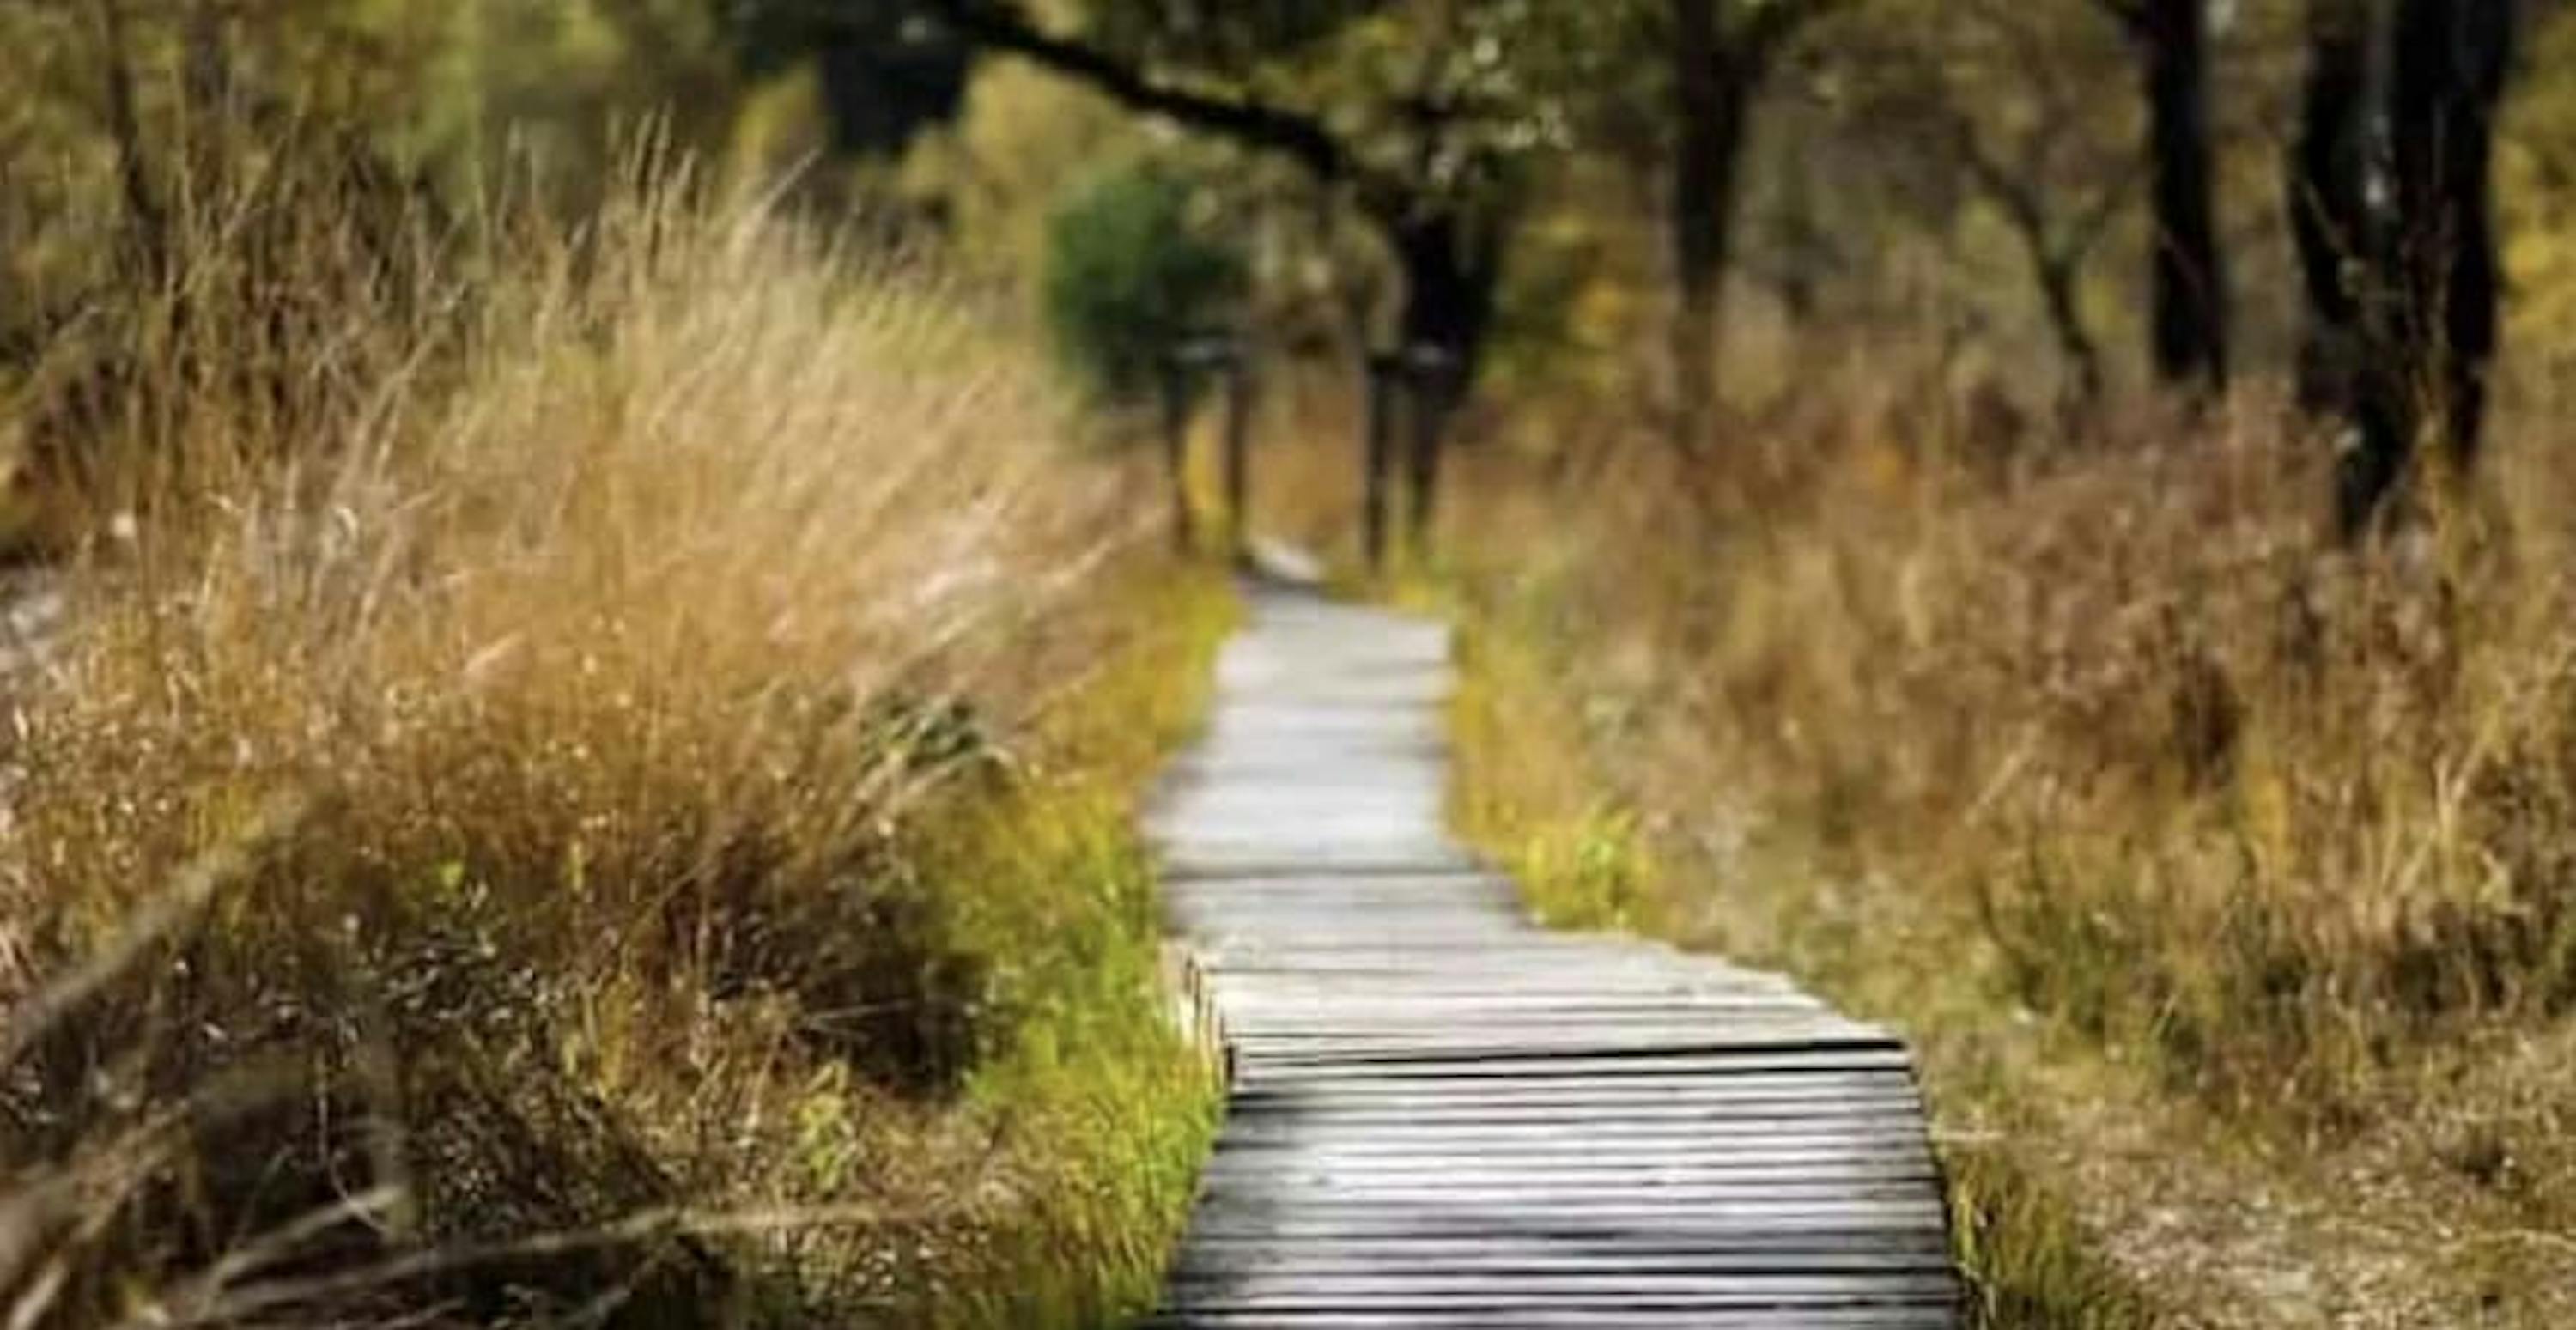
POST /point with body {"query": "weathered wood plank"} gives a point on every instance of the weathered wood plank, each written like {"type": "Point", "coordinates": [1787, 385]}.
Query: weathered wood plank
{"type": "Point", "coordinates": [1445, 1115]}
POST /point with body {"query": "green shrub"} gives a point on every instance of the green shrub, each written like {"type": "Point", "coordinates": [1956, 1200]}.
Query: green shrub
{"type": "Point", "coordinates": [1128, 275]}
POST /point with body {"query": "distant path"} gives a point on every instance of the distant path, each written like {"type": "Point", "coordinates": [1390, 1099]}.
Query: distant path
{"type": "Point", "coordinates": [1445, 1116]}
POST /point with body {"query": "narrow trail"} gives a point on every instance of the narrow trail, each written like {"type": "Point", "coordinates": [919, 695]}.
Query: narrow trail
{"type": "Point", "coordinates": [1444, 1115]}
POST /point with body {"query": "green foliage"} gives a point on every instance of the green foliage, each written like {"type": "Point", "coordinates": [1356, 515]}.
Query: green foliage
{"type": "Point", "coordinates": [1589, 870]}
{"type": "Point", "coordinates": [1128, 276]}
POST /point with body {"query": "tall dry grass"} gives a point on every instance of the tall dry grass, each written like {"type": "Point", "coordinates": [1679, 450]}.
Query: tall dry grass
{"type": "Point", "coordinates": [1995, 732]}
{"type": "Point", "coordinates": [2206, 780]}
{"type": "Point", "coordinates": [543, 810]}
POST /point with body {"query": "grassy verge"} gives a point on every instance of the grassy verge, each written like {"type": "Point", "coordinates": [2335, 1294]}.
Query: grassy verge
{"type": "Point", "coordinates": [1096, 1117]}
{"type": "Point", "coordinates": [2207, 868]}
{"type": "Point", "coordinates": [588, 784]}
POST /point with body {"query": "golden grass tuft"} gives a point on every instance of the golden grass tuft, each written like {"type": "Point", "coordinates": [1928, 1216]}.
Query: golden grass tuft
{"type": "Point", "coordinates": [701, 902]}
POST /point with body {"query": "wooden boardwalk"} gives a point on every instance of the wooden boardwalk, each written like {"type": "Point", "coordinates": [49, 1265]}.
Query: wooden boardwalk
{"type": "Point", "coordinates": [1442, 1115]}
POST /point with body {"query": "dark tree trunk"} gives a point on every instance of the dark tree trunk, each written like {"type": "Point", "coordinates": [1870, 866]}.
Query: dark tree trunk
{"type": "Point", "coordinates": [1718, 69]}
{"type": "Point", "coordinates": [1705, 246]}
{"type": "Point", "coordinates": [1378, 433]}
{"type": "Point", "coordinates": [1239, 388]}
{"type": "Point", "coordinates": [2430, 317]}
{"type": "Point", "coordinates": [1710, 115]}
{"type": "Point", "coordinates": [2342, 239]}
{"type": "Point", "coordinates": [2190, 285]}
{"type": "Point", "coordinates": [1450, 284]}
{"type": "Point", "coordinates": [1452, 273]}
{"type": "Point", "coordinates": [1432, 401]}
{"type": "Point", "coordinates": [2445, 83]}
{"type": "Point", "coordinates": [2329, 206]}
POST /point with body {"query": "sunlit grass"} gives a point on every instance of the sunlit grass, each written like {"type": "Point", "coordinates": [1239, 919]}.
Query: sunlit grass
{"type": "Point", "coordinates": [708, 686]}
{"type": "Point", "coordinates": [2108, 778]}
{"type": "Point", "coordinates": [1578, 858]}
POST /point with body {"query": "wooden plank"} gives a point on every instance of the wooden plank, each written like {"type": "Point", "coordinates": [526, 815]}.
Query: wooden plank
{"type": "Point", "coordinates": [1578, 1074]}
{"type": "Point", "coordinates": [1539, 1318]}
{"type": "Point", "coordinates": [1437, 1158]}
{"type": "Point", "coordinates": [1603, 1252]}
{"type": "Point", "coordinates": [1730, 1288]}
{"type": "Point", "coordinates": [1551, 1318]}
{"type": "Point", "coordinates": [1444, 1115]}
{"type": "Point", "coordinates": [1219, 1264]}
{"type": "Point", "coordinates": [1394, 1135]}
{"type": "Point", "coordinates": [1853, 1224]}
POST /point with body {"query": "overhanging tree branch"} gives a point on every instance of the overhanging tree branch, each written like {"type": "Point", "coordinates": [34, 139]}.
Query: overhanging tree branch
{"type": "Point", "coordinates": [1003, 26]}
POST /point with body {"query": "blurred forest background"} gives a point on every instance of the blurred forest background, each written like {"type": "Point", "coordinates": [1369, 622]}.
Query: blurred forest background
{"type": "Point", "coordinates": [2068, 199]}
{"type": "Point", "coordinates": [2042, 517]}
{"type": "Point", "coordinates": [1558, 176]}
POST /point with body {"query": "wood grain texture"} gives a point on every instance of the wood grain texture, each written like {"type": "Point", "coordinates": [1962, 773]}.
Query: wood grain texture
{"type": "Point", "coordinates": [1441, 1114]}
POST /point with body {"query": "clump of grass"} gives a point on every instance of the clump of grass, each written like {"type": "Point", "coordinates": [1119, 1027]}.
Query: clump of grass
{"type": "Point", "coordinates": [1578, 857]}
{"type": "Point", "coordinates": [694, 911]}
{"type": "Point", "coordinates": [2024, 1251]}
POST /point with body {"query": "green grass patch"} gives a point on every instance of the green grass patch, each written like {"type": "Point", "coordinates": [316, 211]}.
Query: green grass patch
{"type": "Point", "coordinates": [1579, 857]}
{"type": "Point", "coordinates": [1097, 1111]}
{"type": "Point", "coordinates": [1094, 1092]}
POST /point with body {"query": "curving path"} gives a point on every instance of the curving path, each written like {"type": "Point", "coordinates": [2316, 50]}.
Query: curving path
{"type": "Point", "coordinates": [1443, 1115]}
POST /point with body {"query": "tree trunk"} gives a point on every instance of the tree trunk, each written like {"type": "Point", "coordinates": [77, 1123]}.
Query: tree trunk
{"type": "Point", "coordinates": [1433, 382]}
{"type": "Point", "coordinates": [2432, 335]}
{"type": "Point", "coordinates": [1718, 68]}
{"type": "Point", "coordinates": [1376, 456]}
{"type": "Point", "coordinates": [2329, 205]}
{"type": "Point", "coordinates": [1702, 166]}
{"type": "Point", "coordinates": [2446, 81]}
{"type": "Point", "coordinates": [2190, 287]}
{"type": "Point", "coordinates": [2341, 239]}
{"type": "Point", "coordinates": [1451, 275]}
{"type": "Point", "coordinates": [1714, 78]}
{"type": "Point", "coordinates": [1238, 454]}
{"type": "Point", "coordinates": [1449, 285]}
